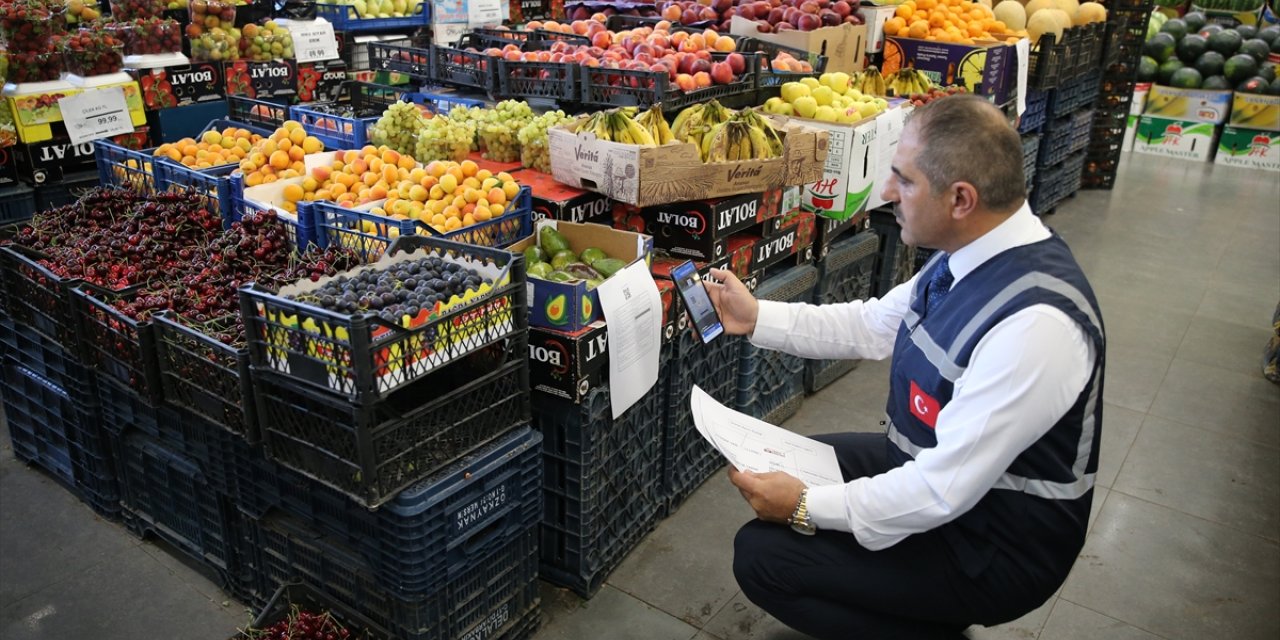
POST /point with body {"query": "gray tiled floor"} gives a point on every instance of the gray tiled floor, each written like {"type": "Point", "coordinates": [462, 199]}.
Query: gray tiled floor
{"type": "Point", "coordinates": [1183, 543]}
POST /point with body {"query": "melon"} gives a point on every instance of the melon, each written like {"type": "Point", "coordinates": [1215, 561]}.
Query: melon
{"type": "Point", "coordinates": [1091, 12]}
{"type": "Point", "coordinates": [1069, 6]}
{"type": "Point", "coordinates": [1042, 23]}
{"type": "Point", "coordinates": [1012, 14]}
{"type": "Point", "coordinates": [1035, 6]}
{"type": "Point", "coordinates": [1061, 16]}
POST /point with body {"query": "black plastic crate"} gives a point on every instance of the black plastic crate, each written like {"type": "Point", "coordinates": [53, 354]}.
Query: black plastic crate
{"type": "Point", "coordinates": [602, 484]}
{"type": "Point", "coordinates": [458, 67]}
{"type": "Point", "coordinates": [1057, 183]}
{"type": "Point", "coordinates": [1046, 62]}
{"type": "Point", "coordinates": [371, 452]}
{"type": "Point", "coordinates": [17, 204]}
{"type": "Point", "coordinates": [551, 80]}
{"type": "Point", "coordinates": [484, 599]}
{"type": "Point", "coordinates": [1037, 110]}
{"type": "Point", "coordinates": [768, 76]}
{"type": "Point", "coordinates": [771, 383]}
{"type": "Point", "coordinates": [896, 264]}
{"type": "Point", "coordinates": [37, 414]}
{"type": "Point", "coordinates": [412, 58]}
{"type": "Point", "coordinates": [1030, 151]}
{"type": "Point", "coordinates": [1075, 94]}
{"type": "Point", "coordinates": [38, 298]}
{"type": "Point", "coordinates": [296, 596]}
{"type": "Point", "coordinates": [474, 506]}
{"type": "Point", "coordinates": [629, 87]}
{"type": "Point", "coordinates": [94, 462]}
{"type": "Point", "coordinates": [364, 358]}
{"type": "Point", "coordinates": [687, 458]}
{"type": "Point", "coordinates": [844, 275]}
{"type": "Point", "coordinates": [263, 114]}
{"type": "Point", "coordinates": [52, 195]}
{"type": "Point", "coordinates": [203, 375]}
{"type": "Point", "coordinates": [1062, 137]}
{"type": "Point", "coordinates": [115, 345]}
{"type": "Point", "coordinates": [49, 360]}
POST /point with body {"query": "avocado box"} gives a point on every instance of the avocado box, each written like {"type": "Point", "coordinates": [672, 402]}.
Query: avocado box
{"type": "Point", "coordinates": [986, 69]}
{"type": "Point", "coordinates": [563, 202]}
{"type": "Point", "coordinates": [1251, 148]}
{"type": "Point", "coordinates": [1191, 105]}
{"type": "Point", "coordinates": [659, 175]}
{"type": "Point", "coordinates": [570, 306]}
{"type": "Point", "coordinates": [1176, 138]}
{"type": "Point", "coordinates": [845, 45]}
{"type": "Point", "coordinates": [568, 364]}
{"type": "Point", "coordinates": [849, 173]}
{"type": "Point", "coordinates": [1253, 111]}
{"type": "Point", "coordinates": [699, 229]}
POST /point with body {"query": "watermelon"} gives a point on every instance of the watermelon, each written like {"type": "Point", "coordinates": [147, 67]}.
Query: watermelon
{"type": "Point", "coordinates": [1240, 67]}
{"type": "Point", "coordinates": [1186, 78]}
{"type": "Point", "coordinates": [1246, 31]}
{"type": "Point", "coordinates": [1256, 47]}
{"type": "Point", "coordinates": [1270, 34]}
{"type": "Point", "coordinates": [1268, 71]}
{"type": "Point", "coordinates": [1195, 21]}
{"type": "Point", "coordinates": [1256, 84]}
{"type": "Point", "coordinates": [1275, 87]}
{"type": "Point", "coordinates": [1161, 47]}
{"type": "Point", "coordinates": [1191, 47]}
{"type": "Point", "coordinates": [1216, 83]}
{"type": "Point", "coordinates": [1209, 29]}
{"type": "Point", "coordinates": [1210, 64]}
{"type": "Point", "coordinates": [1147, 69]}
{"type": "Point", "coordinates": [1226, 42]}
{"type": "Point", "coordinates": [1175, 27]}
{"type": "Point", "coordinates": [1165, 74]}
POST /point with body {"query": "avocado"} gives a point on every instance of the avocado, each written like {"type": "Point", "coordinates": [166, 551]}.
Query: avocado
{"type": "Point", "coordinates": [1165, 74]}
{"type": "Point", "coordinates": [1147, 69]}
{"type": "Point", "coordinates": [1257, 47]}
{"type": "Point", "coordinates": [540, 270]}
{"type": "Point", "coordinates": [591, 254]}
{"type": "Point", "coordinates": [1210, 64]}
{"type": "Point", "coordinates": [1175, 27]}
{"type": "Point", "coordinates": [608, 266]}
{"type": "Point", "coordinates": [593, 283]}
{"type": "Point", "coordinates": [587, 308]}
{"type": "Point", "coordinates": [551, 241]}
{"type": "Point", "coordinates": [1216, 83]}
{"type": "Point", "coordinates": [1186, 78]}
{"type": "Point", "coordinates": [1256, 85]}
{"type": "Point", "coordinates": [562, 258]}
{"type": "Point", "coordinates": [534, 255]}
{"type": "Point", "coordinates": [1194, 20]}
{"type": "Point", "coordinates": [1240, 67]}
{"type": "Point", "coordinates": [560, 276]}
{"type": "Point", "coordinates": [1191, 48]}
{"type": "Point", "coordinates": [581, 271]}
{"type": "Point", "coordinates": [1226, 42]}
{"type": "Point", "coordinates": [556, 310]}
{"type": "Point", "coordinates": [1161, 47]}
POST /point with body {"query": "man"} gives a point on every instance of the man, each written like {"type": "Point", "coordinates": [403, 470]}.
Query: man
{"type": "Point", "coordinates": [974, 507]}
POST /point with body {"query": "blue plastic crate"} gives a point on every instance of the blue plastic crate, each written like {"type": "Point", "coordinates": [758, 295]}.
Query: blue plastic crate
{"type": "Point", "coordinates": [1037, 111]}
{"type": "Point", "coordinates": [38, 298]}
{"type": "Point", "coordinates": [205, 376]}
{"type": "Point", "coordinates": [17, 204]}
{"type": "Point", "coordinates": [370, 234]}
{"type": "Point", "coordinates": [771, 383]}
{"type": "Point", "coordinates": [1062, 137]}
{"type": "Point", "coordinates": [49, 360]}
{"type": "Point", "coordinates": [1057, 183]}
{"type": "Point", "coordinates": [125, 168]}
{"type": "Point", "coordinates": [299, 228]}
{"type": "Point", "coordinates": [345, 18]}
{"type": "Point", "coordinates": [602, 484]}
{"type": "Point", "coordinates": [687, 458]}
{"type": "Point", "coordinates": [37, 413]}
{"type": "Point", "coordinates": [844, 275]}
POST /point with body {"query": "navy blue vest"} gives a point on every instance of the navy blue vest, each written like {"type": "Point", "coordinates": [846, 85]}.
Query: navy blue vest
{"type": "Point", "coordinates": [1038, 510]}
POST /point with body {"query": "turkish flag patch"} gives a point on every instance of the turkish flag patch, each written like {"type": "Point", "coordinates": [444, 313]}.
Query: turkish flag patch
{"type": "Point", "coordinates": [923, 406]}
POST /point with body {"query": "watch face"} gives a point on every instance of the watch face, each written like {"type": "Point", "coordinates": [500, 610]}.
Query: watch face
{"type": "Point", "coordinates": [805, 528]}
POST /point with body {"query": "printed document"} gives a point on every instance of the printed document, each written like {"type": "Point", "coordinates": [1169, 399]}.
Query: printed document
{"type": "Point", "coordinates": [751, 444]}
{"type": "Point", "coordinates": [633, 309]}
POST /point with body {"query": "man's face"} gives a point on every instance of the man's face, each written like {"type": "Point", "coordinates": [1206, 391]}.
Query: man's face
{"type": "Point", "coordinates": [925, 217]}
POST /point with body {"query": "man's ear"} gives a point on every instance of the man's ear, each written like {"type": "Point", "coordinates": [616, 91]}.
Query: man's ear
{"type": "Point", "coordinates": [963, 200]}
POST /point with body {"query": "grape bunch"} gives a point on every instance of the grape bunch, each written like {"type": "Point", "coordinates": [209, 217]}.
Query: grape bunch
{"type": "Point", "coordinates": [498, 135]}
{"type": "Point", "coordinates": [473, 116]}
{"type": "Point", "coordinates": [444, 139]}
{"type": "Point", "coordinates": [398, 127]}
{"type": "Point", "coordinates": [535, 149]}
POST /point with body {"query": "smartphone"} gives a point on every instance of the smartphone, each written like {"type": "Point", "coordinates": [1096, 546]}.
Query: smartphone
{"type": "Point", "coordinates": [696, 300]}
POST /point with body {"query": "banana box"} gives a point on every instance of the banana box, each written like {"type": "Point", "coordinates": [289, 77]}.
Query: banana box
{"type": "Point", "coordinates": [1251, 148]}
{"type": "Point", "coordinates": [987, 69]}
{"type": "Point", "coordinates": [1188, 105]}
{"type": "Point", "coordinates": [1253, 111]}
{"type": "Point", "coordinates": [1176, 138]}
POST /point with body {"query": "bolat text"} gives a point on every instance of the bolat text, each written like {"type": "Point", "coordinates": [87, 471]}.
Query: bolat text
{"type": "Point", "coordinates": [737, 215]}
{"type": "Point", "coordinates": [191, 77]}
{"type": "Point", "coordinates": [272, 71]}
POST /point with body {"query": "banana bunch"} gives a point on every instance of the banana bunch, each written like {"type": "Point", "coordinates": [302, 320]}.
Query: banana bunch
{"type": "Point", "coordinates": [617, 125]}
{"type": "Point", "coordinates": [694, 123]}
{"type": "Point", "coordinates": [870, 82]}
{"type": "Point", "coordinates": [656, 125]}
{"type": "Point", "coordinates": [908, 81]}
{"type": "Point", "coordinates": [744, 136]}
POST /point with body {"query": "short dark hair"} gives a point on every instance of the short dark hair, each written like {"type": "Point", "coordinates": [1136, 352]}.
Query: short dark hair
{"type": "Point", "coordinates": [964, 138]}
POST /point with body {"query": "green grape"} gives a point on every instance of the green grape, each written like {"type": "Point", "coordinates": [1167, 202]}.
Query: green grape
{"type": "Point", "coordinates": [473, 116]}
{"type": "Point", "coordinates": [444, 139]}
{"type": "Point", "coordinates": [398, 127]}
{"type": "Point", "coordinates": [498, 135]}
{"type": "Point", "coordinates": [535, 150]}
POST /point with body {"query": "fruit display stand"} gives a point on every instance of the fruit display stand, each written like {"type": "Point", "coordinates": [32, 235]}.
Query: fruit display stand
{"type": "Point", "coordinates": [36, 110]}
{"type": "Point", "coordinates": [352, 19]}
{"type": "Point", "coordinates": [844, 275]}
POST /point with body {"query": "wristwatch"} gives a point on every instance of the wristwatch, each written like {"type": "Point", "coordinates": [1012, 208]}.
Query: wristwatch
{"type": "Point", "coordinates": [800, 521]}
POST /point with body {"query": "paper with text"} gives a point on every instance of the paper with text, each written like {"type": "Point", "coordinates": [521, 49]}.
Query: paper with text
{"type": "Point", "coordinates": [96, 113]}
{"type": "Point", "coordinates": [751, 444]}
{"type": "Point", "coordinates": [1023, 49]}
{"type": "Point", "coordinates": [632, 308]}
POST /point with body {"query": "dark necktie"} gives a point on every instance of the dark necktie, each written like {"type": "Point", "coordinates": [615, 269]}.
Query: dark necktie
{"type": "Point", "coordinates": [939, 284]}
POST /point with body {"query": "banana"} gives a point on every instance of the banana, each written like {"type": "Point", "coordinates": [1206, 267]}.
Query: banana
{"type": "Point", "coordinates": [639, 133]}
{"type": "Point", "coordinates": [715, 144]}
{"type": "Point", "coordinates": [679, 127]}
{"type": "Point", "coordinates": [760, 148]}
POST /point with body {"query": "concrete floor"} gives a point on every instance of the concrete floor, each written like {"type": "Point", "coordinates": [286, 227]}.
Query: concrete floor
{"type": "Point", "coordinates": [1183, 544]}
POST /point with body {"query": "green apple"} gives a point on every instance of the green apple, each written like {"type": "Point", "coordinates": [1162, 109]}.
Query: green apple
{"type": "Point", "coordinates": [849, 116]}
{"type": "Point", "coordinates": [853, 93]}
{"type": "Point", "coordinates": [772, 105]}
{"type": "Point", "coordinates": [805, 106]}
{"type": "Point", "coordinates": [812, 83]}
{"type": "Point", "coordinates": [826, 114]}
{"type": "Point", "coordinates": [838, 81]}
{"type": "Point", "coordinates": [868, 109]}
{"type": "Point", "coordinates": [823, 95]}
{"type": "Point", "coordinates": [793, 90]}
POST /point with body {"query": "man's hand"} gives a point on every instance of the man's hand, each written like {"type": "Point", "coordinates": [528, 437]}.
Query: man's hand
{"type": "Point", "coordinates": [736, 306]}
{"type": "Point", "coordinates": [773, 495]}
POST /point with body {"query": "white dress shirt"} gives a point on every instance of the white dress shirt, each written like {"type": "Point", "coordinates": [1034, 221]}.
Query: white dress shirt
{"type": "Point", "coordinates": [1023, 376]}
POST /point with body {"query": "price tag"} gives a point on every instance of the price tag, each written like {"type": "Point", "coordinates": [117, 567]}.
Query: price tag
{"type": "Point", "coordinates": [95, 114]}
{"type": "Point", "coordinates": [313, 41]}
{"type": "Point", "coordinates": [484, 13]}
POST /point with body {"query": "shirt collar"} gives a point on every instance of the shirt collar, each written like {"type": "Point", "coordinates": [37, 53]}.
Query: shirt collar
{"type": "Point", "coordinates": [1021, 228]}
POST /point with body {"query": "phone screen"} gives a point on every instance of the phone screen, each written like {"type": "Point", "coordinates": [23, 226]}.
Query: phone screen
{"type": "Point", "coordinates": [696, 300]}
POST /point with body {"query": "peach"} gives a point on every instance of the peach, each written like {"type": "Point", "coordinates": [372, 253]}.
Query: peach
{"type": "Point", "coordinates": [686, 82]}
{"type": "Point", "coordinates": [702, 79]}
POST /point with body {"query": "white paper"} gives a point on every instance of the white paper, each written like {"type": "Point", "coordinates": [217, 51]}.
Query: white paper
{"type": "Point", "coordinates": [484, 13]}
{"type": "Point", "coordinates": [96, 113]}
{"type": "Point", "coordinates": [889, 126]}
{"type": "Point", "coordinates": [313, 40]}
{"type": "Point", "coordinates": [632, 307]}
{"type": "Point", "coordinates": [750, 444]}
{"type": "Point", "coordinates": [1023, 47]}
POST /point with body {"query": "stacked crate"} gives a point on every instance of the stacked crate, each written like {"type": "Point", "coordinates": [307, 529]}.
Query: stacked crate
{"type": "Point", "coordinates": [1126, 32]}
{"type": "Point", "coordinates": [896, 260]}
{"type": "Point", "coordinates": [771, 383]}
{"type": "Point", "coordinates": [845, 274]}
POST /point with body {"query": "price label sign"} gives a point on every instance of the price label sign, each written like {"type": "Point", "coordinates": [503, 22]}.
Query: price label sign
{"type": "Point", "coordinates": [484, 13]}
{"type": "Point", "coordinates": [95, 114]}
{"type": "Point", "coordinates": [313, 41]}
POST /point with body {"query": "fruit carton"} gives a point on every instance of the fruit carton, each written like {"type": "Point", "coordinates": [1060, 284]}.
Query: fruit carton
{"type": "Point", "coordinates": [875, 17]}
{"type": "Point", "coordinates": [794, 241]}
{"type": "Point", "coordinates": [846, 182]}
{"type": "Point", "coordinates": [985, 69]}
{"type": "Point", "coordinates": [1251, 148]}
{"type": "Point", "coordinates": [179, 86]}
{"type": "Point", "coordinates": [568, 364]}
{"type": "Point", "coordinates": [1252, 111]}
{"type": "Point", "coordinates": [699, 229]}
{"type": "Point", "coordinates": [34, 114]}
{"type": "Point", "coordinates": [889, 126]}
{"type": "Point", "coordinates": [1176, 138]}
{"type": "Point", "coordinates": [562, 202]}
{"type": "Point", "coordinates": [264, 80]}
{"type": "Point", "coordinates": [321, 81]}
{"type": "Point", "coordinates": [570, 306]}
{"type": "Point", "coordinates": [1188, 105]}
{"type": "Point", "coordinates": [48, 161]}
{"type": "Point", "coordinates": [828, 230]}
{"type": "Point", "coordinates": [646, 176]}
{"type": "Point", "coordinates": [845, 46]}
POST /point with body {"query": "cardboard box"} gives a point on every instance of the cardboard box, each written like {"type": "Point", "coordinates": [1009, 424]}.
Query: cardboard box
{"type": "Point", "coordinates": [875, 17]}
{"type": "Point", "coordinates": [321, 81]}
{"type": "Point", "coordinates": [698, 230]}
{"type": "Point", "coordinates": [889, 126]}
{"type": "Point", "coordinates": [828, 230]}
{"type": "Point", "coordinates": [561, 202]}
{"type": "Point", "coordinates": [37, 116]}
{"type": "Point", "coordinates": [265, 80]}
{"type": "Point", "coordinates": [1251, 148]}
{"type": "Point", "coordinates": [849, 173]}
{"type": "Point", "coordinates": [1258, 112]}
{"type": "Point", "coordinates": [1176, 138]}
{"type": "Point", "coordinates": [844, 46]}
{"type": "Point", "coordinates": [180, 86]}
{"type": "Point", "coordinates": [570, 306]}
{"type": "Point", "coordinates": [986, 69]}
{"type": "Point", "coordinates": [1188, 105]}
{"type": "Point", "coordinates": [1136, 105]}
{"type": "Point", "coordinates": [646, 176]}
{"type": "Point", "coordinates": [568, 365]}
{"type": "Point", "coordinates": [48, 161]}
{"type": "Point", "coordinates": [796, 240]}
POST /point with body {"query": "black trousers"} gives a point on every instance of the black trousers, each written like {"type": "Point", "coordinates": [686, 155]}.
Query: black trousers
{"type": "Point", "coordinates": [830, 587]}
